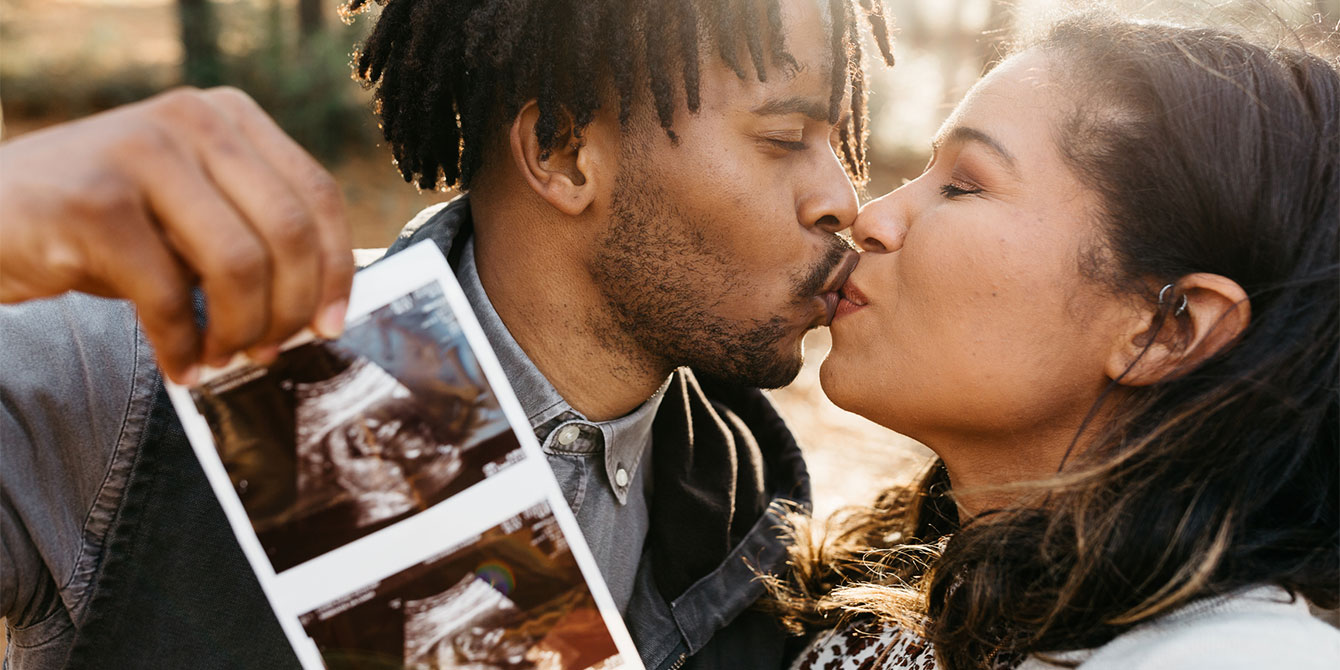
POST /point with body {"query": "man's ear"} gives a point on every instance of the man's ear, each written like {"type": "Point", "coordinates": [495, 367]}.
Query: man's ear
{"type": "Point", "coordinates": [564, 174]}
{"type": "Point", "coordinates": [1167, 340]}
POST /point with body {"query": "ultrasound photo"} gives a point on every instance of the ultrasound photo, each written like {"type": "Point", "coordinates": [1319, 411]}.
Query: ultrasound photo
{"type": "Point", "coordinates": [338, 439]}
{"type": "Point", "coordinates": [510, 599]}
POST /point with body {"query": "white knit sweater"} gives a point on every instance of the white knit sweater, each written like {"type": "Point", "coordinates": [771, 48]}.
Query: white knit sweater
{"type": "Point", "coordinates": [1262, 628]}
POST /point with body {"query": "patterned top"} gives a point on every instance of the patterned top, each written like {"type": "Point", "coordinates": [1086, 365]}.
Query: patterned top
{"type": "Point", "coordinates": [867, 647]}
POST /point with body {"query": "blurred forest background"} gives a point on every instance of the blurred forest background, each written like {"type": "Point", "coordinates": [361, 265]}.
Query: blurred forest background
{"type": "Point", "coordinates": [62, 59]}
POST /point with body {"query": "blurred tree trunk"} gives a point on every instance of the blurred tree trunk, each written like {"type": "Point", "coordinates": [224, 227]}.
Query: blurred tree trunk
{"type": "Point", "coordinates": [201, 65]}
{"type": "Point", "coordinates": [310, 18]}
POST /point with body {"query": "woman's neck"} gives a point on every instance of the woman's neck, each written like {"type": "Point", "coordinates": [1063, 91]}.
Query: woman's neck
{"type": "Point", "coordinates": [983, 472]}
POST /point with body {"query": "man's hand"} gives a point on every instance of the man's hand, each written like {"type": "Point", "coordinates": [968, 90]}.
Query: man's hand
{"type": "Point", "coordinates": [187, 188]}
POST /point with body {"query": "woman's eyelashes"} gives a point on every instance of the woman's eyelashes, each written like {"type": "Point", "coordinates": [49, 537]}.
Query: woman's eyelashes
{"type": "Point", "coordinates": [960, 181]}
{"type": "Point", "coordinates": [955, 190]}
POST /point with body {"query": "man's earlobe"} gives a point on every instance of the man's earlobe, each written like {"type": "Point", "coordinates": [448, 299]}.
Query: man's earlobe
{"type": "Point", "coordinates": [561, 174]}
{"type": "Point", "coordinates": [1194, 318]}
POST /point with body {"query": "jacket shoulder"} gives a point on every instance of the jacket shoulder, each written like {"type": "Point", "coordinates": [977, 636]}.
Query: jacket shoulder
{"type": "Point", "coordinates": [70, 367]}
{"type": "Point", "coordinates": [77, 373]}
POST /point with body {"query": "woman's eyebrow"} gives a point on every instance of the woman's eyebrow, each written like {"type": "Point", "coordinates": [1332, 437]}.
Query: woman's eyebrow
{"type": "Point", "coordinates": [962, 134]}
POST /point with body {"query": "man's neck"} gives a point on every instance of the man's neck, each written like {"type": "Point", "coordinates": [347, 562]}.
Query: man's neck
{"type": "Point", "coordinates": [545, 297]}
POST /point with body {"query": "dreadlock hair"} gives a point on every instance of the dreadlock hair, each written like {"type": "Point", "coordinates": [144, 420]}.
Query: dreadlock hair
{"type": "Point", "coordinates": [449, 72]}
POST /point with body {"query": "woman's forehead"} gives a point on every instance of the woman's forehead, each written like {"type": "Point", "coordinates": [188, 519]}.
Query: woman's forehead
{"type": "Point", "coordinates": [1015, 104]}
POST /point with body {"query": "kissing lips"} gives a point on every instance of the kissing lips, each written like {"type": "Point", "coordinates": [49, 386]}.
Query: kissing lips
{"type": "Point", "coordinates": [832, 296]}
{"type": "Point", "coordinates": [832, 302]}
{"type": "Point", "coordinates": [851, 300]}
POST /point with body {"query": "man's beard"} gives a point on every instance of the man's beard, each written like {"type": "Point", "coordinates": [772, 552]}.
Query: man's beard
{"type": "Point", "coordinates": [662, 279]}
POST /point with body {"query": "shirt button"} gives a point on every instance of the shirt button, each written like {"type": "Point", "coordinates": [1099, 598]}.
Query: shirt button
{"type": "Point", "coordinates": [621, 477]}
{"type": "Point", "coordinates": [568, 434]}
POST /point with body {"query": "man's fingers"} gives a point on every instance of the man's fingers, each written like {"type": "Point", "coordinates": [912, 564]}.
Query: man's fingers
{"type": "Point", "coordinates": [280, 219]}
{"type": "Point", "coordinates": [160, 289]}
{"type": "Point", "coordinates": [218, 195]}
{"type": "Point", "coordinates": [314, 185]}
{"type": "Point", "coordinates": [230, 259]}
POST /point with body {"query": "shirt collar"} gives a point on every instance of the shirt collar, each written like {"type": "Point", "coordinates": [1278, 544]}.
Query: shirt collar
{"type": "Point", "coordinates": [626, 439]}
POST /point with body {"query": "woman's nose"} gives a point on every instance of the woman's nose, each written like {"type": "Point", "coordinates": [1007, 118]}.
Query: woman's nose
{"type": "Point", "coordinates": [881, 225]}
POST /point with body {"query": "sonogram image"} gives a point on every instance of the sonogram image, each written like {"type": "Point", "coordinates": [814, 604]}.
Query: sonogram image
{"type": "Point", "coordinates": [511, 599]}
{"type": "Point", "coordinates": [338, 439]}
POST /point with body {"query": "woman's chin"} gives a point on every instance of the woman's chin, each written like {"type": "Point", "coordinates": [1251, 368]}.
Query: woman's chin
{"type": "Point", "coordinates": [838, 384]}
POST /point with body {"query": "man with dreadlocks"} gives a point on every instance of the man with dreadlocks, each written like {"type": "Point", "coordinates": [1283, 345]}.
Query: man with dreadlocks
{"type": "Point", "coordinates": [654, 191]}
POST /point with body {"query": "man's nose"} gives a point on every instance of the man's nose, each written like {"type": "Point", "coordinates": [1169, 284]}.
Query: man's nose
{"type": "Point", "coordinates": [829, 201]}
{"type": "Point", "coordinates": [881, 225]}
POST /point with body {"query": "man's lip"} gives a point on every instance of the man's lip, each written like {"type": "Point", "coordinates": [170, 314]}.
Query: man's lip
{"type": "Point", "coordinates": [832, 293]}
{"type": "Point", "coordinates": [831, 301]}
{"type": "Point", "coordinates": [844, 270]}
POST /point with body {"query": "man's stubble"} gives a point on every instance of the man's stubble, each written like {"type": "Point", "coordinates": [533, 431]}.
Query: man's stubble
{"type": "Point", "coordinates": [665, 283]}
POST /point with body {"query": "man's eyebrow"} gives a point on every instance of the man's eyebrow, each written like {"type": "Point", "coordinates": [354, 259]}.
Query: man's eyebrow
{"type": "Point", "coordinates": [960, 134]}
{"type": "Point", "coordinates": [812, 107]}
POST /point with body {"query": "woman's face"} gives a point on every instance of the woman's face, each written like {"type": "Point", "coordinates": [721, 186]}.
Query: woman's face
{"type": "Point", "coordinates": [977, 321]}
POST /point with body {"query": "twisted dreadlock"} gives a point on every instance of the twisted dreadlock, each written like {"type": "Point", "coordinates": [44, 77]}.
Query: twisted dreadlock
{"type": "Point", "coordinates": [449, 71]}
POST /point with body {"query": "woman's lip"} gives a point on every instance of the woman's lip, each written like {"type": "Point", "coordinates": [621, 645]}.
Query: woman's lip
{"type": "Point", "coordinates": [853, 294]}
{"type": "Point", "coordinates": [851, 300]}
{"type": "Point", "coordinates": [845, 307]}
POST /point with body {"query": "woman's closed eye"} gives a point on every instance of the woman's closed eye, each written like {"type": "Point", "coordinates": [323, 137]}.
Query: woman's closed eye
{"type": "Point", "coordinates": [958, 189]}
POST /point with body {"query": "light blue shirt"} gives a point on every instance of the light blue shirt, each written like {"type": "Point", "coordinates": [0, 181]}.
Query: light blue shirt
{"type": "Point", "coordinates": [603, 467]}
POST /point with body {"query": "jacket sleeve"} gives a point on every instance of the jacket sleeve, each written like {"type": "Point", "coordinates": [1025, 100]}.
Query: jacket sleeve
{"type": "Point", "coordinates": [74, 374]}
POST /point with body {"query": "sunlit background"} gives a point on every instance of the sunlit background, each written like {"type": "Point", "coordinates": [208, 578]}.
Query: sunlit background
{"type": "Point", "coordinates": [62, 59]}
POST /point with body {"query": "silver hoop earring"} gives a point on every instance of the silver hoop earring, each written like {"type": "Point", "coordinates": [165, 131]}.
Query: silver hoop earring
{"type": "Point", "coordinates": [1163, 295]}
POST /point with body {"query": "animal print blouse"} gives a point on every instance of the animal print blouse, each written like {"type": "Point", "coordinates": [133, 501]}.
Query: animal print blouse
{"type": "Point", "coordinates": [867, 647]}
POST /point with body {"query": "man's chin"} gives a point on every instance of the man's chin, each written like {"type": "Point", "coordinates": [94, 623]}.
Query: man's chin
{"type": "Point", "coordinates": [772, 370]}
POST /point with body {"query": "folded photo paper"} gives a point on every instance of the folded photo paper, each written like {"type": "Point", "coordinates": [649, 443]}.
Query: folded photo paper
{"type": "Point", "coordinates": [391, 497]}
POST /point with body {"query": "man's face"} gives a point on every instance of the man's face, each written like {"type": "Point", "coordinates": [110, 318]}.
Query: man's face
{"type": "Point", "coordinates": [722, 253]}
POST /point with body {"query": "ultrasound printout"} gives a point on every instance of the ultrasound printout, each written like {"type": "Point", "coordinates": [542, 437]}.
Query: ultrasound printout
{"type": "Point", "coordinates": [388, 492]}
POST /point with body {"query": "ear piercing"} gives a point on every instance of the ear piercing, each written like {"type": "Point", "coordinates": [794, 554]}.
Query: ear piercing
{"type": "Point", "coordinates": [1163, 295]}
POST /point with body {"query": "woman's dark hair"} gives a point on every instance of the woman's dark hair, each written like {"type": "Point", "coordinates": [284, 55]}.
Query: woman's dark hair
{"type": "Point", "coordinates": [450, 72]}
{"type": "Point", "coordinates": [1210, 154]}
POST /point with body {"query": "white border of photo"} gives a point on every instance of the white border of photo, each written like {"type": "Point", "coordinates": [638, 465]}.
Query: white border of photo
{"type": "Point", "coordinates": [460, 518]}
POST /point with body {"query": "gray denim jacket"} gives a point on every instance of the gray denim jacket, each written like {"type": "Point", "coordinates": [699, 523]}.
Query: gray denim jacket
{"type": "Point", "coordinates": [116, 554]}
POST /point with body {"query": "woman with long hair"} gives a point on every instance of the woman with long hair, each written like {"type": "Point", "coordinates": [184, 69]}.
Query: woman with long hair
{"type": "Point", "coordinates": [1109, 305]}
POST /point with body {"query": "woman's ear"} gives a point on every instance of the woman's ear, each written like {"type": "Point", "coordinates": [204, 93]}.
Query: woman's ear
{"type": "Point", "coordinates": [1195, 319]}
{"type": "Point", "coordinates": [565, 174]}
